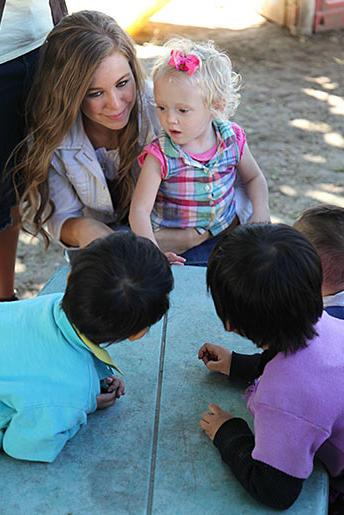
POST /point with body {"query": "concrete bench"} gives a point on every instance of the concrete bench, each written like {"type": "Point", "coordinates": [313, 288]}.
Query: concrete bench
{"type": "Point", "coordinates": [147, 454]}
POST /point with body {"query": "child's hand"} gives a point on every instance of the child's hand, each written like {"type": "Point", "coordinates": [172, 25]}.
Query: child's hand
{"type": "Point", "coordinates": [174, 259]}
{"type": "Point", "coordinates": [213, 420]}
{"type": "Point", "coordinates": [260, 216]}
{"type": "Point", "coordinates": [115, 390]}
{"type": "Point", "coordinates": [216, 358]}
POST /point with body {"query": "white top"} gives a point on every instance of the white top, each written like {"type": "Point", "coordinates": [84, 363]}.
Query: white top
{"type": "Point", "coordinates": [24, 27]}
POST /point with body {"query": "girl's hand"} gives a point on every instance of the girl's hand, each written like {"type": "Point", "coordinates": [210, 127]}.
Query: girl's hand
{"type": "Point", "coordinates": [174, 259]}
{"type": "Point", "coordinates": [260, 216]}
{"type": "Point", "coordinates": [213, 420]}
{"type": "Point", "coordinates": [216, 358]}
{"type": "Point", "coordinates": [115, 390]}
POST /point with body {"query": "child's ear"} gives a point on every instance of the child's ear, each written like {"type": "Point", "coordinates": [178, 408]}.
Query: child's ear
{"type": "Point", "coordinates": [138, 335]}
{"type": "Point", "coordinates": [219, 105]}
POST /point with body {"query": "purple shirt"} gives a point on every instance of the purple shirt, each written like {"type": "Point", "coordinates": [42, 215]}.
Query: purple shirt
{"type": "Point", "coordinates": [298, 405]}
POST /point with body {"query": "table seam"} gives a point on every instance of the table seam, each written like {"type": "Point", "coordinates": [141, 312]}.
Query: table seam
{"type": "Point", "coordinates": [154, 451]}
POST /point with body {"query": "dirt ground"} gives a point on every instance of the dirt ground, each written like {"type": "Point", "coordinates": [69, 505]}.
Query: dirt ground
{"type": "Point", "coordinates": [292, 109]}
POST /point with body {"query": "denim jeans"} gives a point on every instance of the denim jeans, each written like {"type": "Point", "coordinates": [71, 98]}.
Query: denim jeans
{"type": "Point", "coordinates": [198, 256]}
{"type": "Point", "coordinates": [15, 82]}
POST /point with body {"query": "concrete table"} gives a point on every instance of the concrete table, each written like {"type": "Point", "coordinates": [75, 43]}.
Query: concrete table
{"type": "Point", "coordinates": [147, 454]}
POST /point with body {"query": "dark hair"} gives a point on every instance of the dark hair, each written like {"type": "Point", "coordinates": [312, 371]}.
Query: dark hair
{"type": "Point", "coordinates": [323, 226]}
{"type": "Point", "coordinates": [265, 281]}
{"type": "Point", "coordinates": [118, 286]}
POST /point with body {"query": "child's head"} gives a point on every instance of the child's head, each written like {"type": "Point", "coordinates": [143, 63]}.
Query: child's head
{"type": "Point", "coordinates": [265, 281]}
{"type": "Point", "coordinates": [203, 68]}
{"type": "Point", "coordinates": [323, 226]}
{"type": "Point", "coordinates": [118, 286]}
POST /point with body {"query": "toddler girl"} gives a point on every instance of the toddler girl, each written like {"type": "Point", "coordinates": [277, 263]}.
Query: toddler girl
{"type": "Point", "coordinates": [188, 188]}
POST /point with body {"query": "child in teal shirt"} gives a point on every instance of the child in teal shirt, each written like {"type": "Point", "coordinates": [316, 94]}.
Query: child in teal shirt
{"type": "Point", "coordinates": [51, 355]}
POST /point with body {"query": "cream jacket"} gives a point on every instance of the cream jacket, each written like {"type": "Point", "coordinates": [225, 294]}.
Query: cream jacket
{"type": "Point", "coordinates": [77, 184]}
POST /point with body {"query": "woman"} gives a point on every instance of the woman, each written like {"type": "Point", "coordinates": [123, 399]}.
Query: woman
{"type": "Point", "coordinates": [91, 115]}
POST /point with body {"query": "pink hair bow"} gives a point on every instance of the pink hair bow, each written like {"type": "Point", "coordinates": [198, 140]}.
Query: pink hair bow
{"type": "Point", "coordinates": [185, 63]}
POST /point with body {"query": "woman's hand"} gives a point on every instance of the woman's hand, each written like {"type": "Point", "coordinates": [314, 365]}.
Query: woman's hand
{"type": "Point", "coordinates": [115, 390]}
{"type": "Point", "coordinates": [213, 420]}
{"type": "Point", "coordinates": [216, 358]}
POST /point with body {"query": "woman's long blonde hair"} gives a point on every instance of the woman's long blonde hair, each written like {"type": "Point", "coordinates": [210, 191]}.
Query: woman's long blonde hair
{"type": "Point", "coordinates": [69, 58]}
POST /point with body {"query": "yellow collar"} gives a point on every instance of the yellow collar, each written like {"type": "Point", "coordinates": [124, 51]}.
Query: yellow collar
{"type": "Point", "coordinates": [98, 352]}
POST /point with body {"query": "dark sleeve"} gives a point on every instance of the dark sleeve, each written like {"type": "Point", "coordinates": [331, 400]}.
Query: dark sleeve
{"type": "Point", "coordinates": [245, 367]}
{"type": "Point", "coordinates": [268, 485]}
{"type": "Point", "coordinates": [58, 10]}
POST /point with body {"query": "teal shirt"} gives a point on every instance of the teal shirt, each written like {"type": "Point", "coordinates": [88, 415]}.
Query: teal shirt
{"type": "Point", "coordinates": [49, 378]}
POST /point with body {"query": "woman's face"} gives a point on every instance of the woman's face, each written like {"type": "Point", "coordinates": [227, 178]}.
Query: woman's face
{"type": "Point", "coordinates": [112, 93]}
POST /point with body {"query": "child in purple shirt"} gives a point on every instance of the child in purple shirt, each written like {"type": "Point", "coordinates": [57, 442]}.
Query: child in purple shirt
{"type": "Point", "coordinates": [266, 282]}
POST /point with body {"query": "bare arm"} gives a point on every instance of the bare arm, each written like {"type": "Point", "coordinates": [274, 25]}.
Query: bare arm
{"type": "Point", "coordinates": [80, 231]}
{"type": "Point", "coordinates": [67, 223]}
{"type": "Point", "coordinates": [144, 197]}
{"type": "Point", "coordinates": [143, 201]}
{"type": "Point", "coordinates": [256, 186]}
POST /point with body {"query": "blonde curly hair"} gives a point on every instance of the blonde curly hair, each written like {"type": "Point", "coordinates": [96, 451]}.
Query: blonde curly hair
{"type": "Point", "coordinates": [218, 82]}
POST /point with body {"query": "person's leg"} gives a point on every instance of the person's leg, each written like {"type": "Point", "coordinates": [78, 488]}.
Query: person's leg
{"type": "Point", "coordinates": [15, 81]}
{"type": "Point", "coordinates": [199, 255]}
{"type": "Point", "coordinates": [179, 240]}
{"type": "Point", "coordinates": [8, 250]}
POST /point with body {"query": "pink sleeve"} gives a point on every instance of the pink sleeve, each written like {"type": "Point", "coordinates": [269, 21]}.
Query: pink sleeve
{"type": "Point", "coordinates": [154, 150]}
{"type": "Point", "coordinates": [240, 136]}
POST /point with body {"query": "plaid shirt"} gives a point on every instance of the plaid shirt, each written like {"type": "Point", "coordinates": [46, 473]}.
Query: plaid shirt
{"type": "Point", "coordinates": [196, 194]}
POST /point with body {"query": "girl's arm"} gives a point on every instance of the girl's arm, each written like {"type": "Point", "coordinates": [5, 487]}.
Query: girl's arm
{"type": "Point", "coordinates": [256, 186]}
{"type": "Point", "coordinates": [144, 197]}
{"type": "Point", "coordinates": [143, 201]}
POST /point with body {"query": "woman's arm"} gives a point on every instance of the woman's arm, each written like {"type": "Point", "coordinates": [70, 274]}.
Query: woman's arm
{"type": "Point", "coordinates": [67, 223]}
{"type": "Point", "coordinates": [256, 186]}
{"type": "Point", "coordinates": [80, 231]}
{"type": "Point", "coordinates": [144, 197]}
